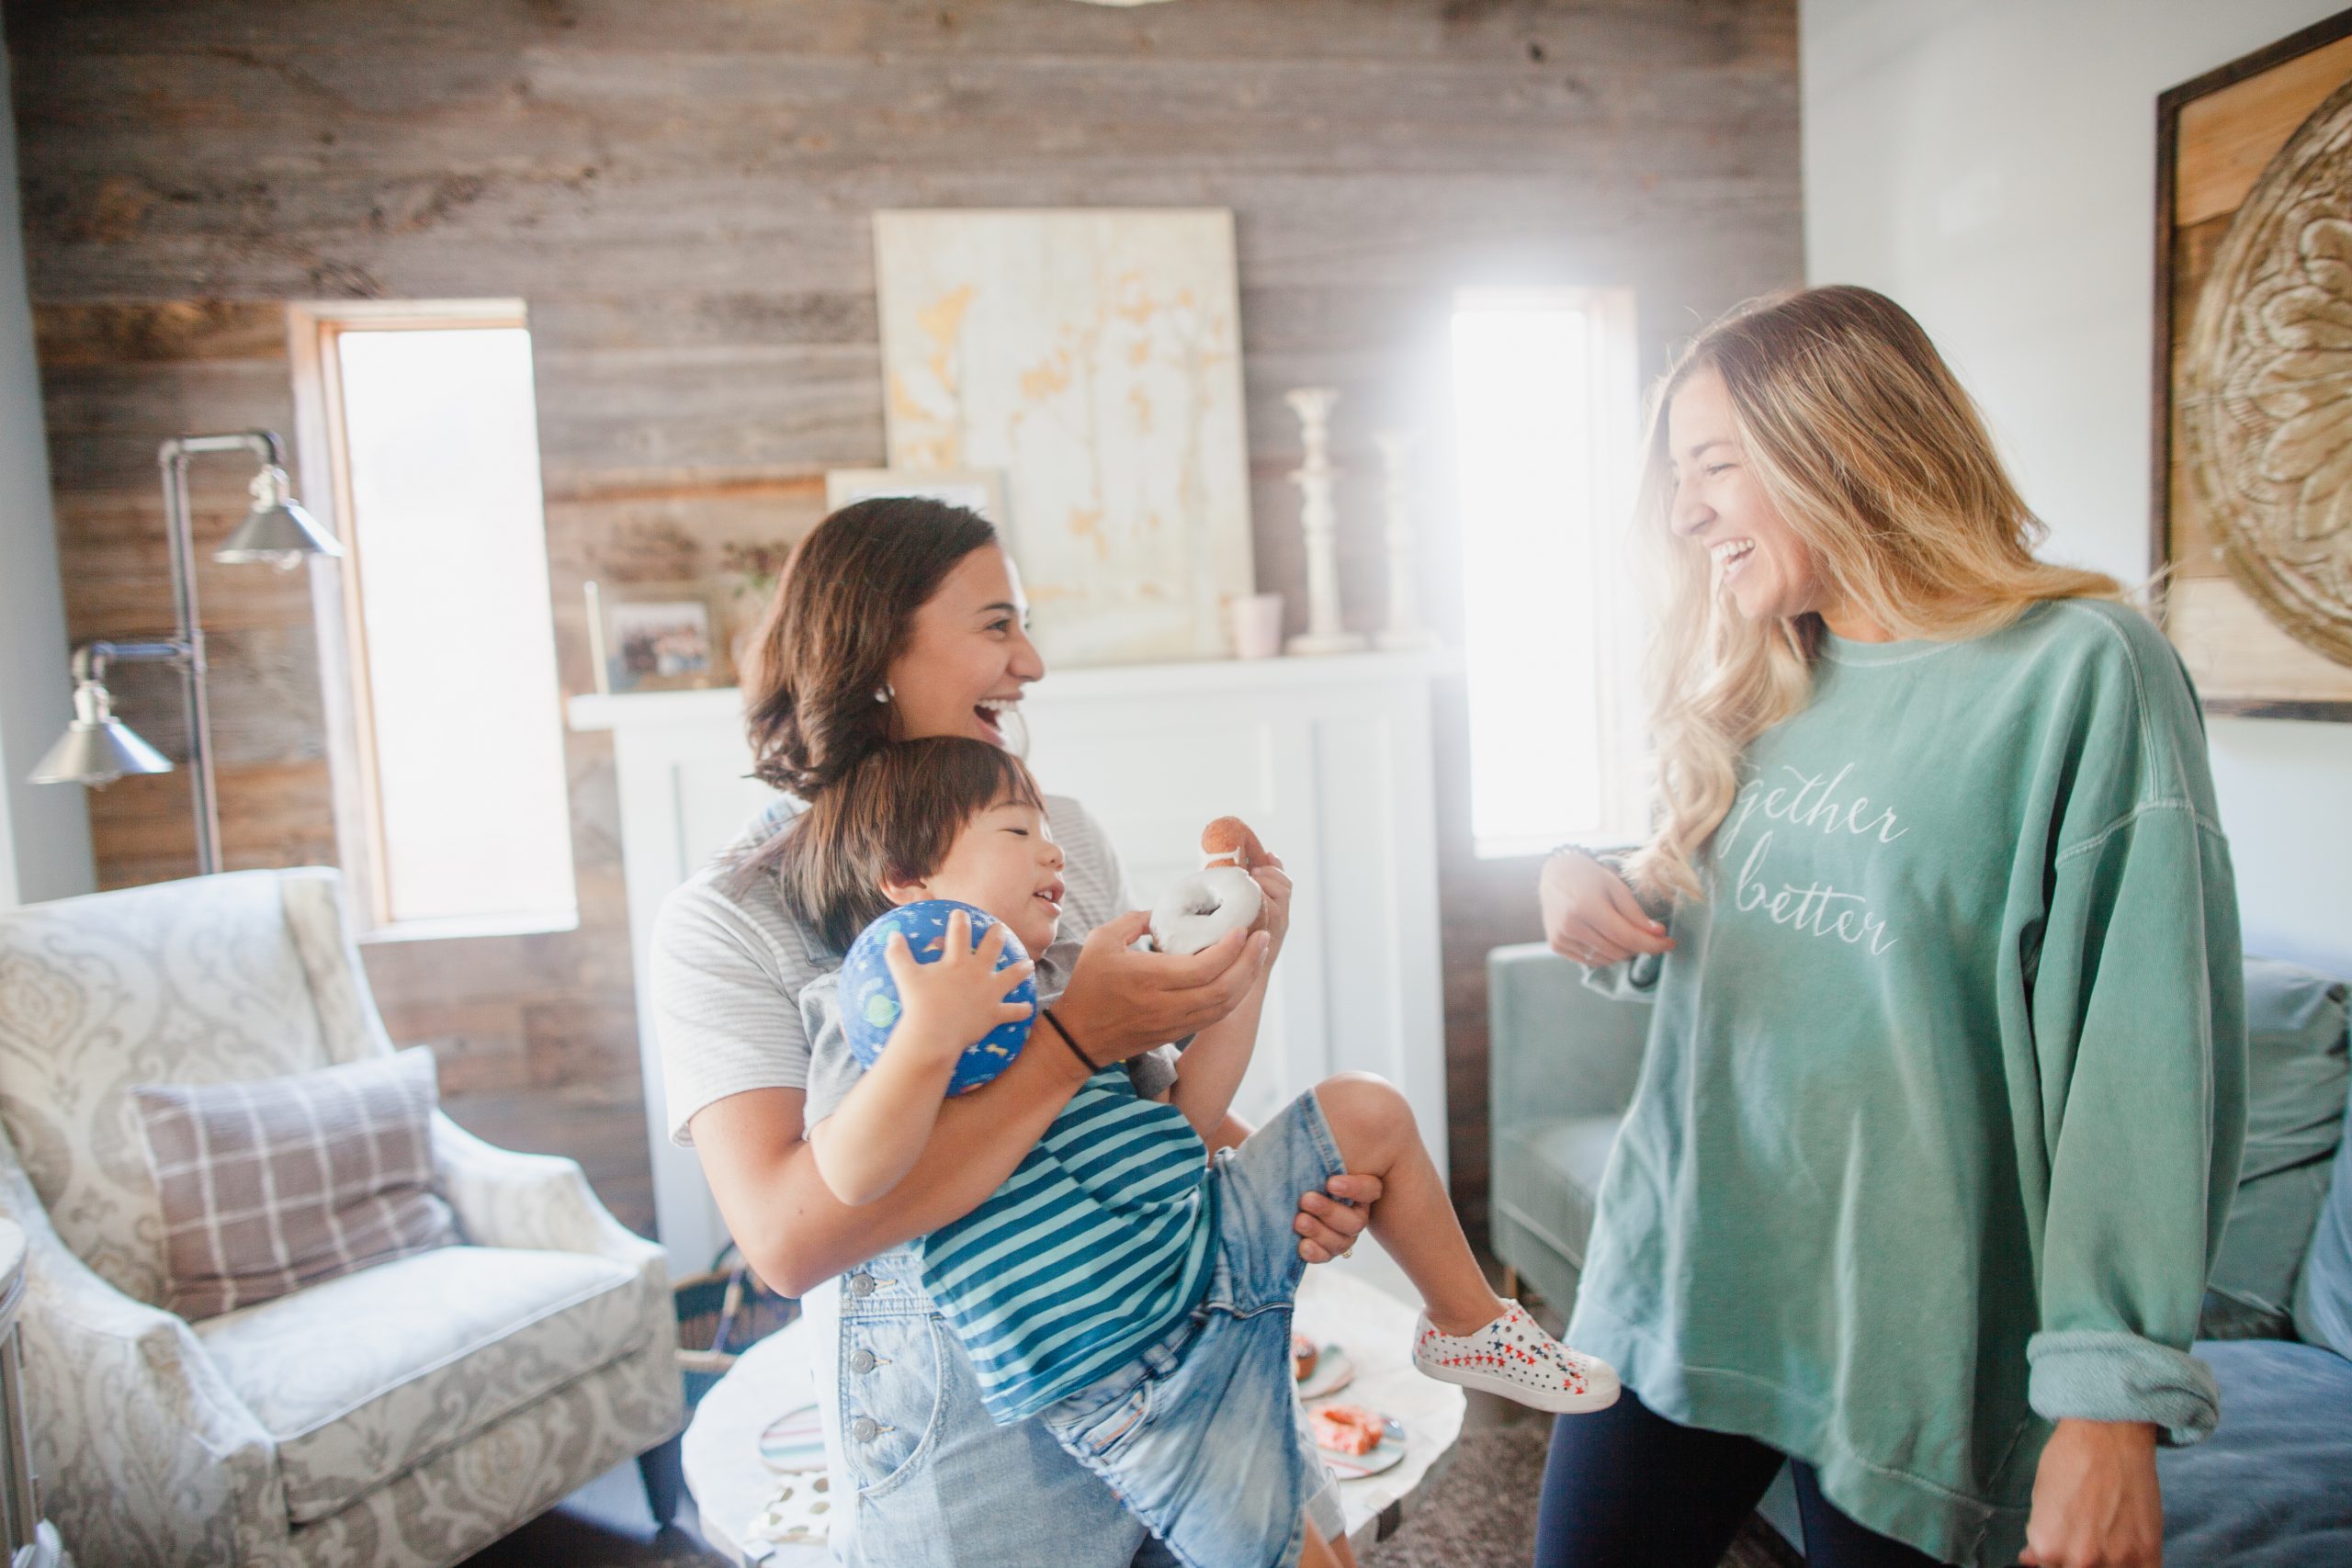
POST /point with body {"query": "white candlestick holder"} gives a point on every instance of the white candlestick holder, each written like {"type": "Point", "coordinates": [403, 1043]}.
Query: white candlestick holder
{"type": "Point", "coordinates": [1403, 632]}
{"type": "Point", "coordinates": [1319, 521]}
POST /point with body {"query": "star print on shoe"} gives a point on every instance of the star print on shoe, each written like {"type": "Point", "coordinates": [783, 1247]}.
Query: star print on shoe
{"type": "Point", "coordinates": [1514, 1357]}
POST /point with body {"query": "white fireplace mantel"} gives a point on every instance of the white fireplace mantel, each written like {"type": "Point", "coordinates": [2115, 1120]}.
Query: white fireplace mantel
{"type": "Point", "coordinates": [1328, 759]}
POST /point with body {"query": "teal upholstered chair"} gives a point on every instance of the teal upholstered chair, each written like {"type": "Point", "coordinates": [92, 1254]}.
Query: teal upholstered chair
{"type": "Point", "coordinates": [1561, 1070]}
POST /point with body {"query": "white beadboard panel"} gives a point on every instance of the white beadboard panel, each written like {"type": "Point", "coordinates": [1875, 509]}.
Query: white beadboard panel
{"type": "Point", "coordinates": [682, 798]}
{"type": "Point", "coordinates": [713, 797]}
{"type": "Point", "coordinates": [1155, 784]}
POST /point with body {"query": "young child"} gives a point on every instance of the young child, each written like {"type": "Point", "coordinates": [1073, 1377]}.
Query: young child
{"type": "Point", "coordinates": [1130, 1291]}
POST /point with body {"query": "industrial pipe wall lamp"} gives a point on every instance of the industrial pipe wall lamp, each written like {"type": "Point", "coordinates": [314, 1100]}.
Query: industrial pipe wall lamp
{"type": "Point", "coordinates": [97, 748]}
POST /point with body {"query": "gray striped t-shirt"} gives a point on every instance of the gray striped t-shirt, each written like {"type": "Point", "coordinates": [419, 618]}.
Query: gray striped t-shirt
{"type": "Point", "coordinates": [729, 964]}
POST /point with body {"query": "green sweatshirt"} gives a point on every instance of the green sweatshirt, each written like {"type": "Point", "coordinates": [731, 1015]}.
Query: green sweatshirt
{"type": "Point", "coordinates": [1940, 1114]}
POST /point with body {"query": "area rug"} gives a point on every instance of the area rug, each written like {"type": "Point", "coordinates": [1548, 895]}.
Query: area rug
{"type": "Point", "coordinates": [1481, 1512]}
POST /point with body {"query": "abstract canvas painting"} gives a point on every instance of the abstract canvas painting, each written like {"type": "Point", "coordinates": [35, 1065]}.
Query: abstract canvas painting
{"type": "Point", "coordinates": [1094, 358]}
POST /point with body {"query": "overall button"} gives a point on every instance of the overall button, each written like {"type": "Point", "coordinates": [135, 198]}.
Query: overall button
{"type": "Point", "coordinates": [861, 1284]}
{"type": "Point", "coordinates": [861, 1361]}
{"type": "Point", "coordinates": [866, 1428]}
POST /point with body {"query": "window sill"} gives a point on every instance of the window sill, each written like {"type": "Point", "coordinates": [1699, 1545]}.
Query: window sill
{"type": "Point", "coordinates": [473, 927]}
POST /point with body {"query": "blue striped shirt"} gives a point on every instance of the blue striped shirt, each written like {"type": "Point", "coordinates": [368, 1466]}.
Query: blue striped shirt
{"type": "Point", "coordinates": [1096, 1245]}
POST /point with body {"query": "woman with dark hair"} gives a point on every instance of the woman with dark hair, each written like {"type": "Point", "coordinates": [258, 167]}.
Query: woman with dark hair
{"type": "Point", "coordinates": [900, 619]}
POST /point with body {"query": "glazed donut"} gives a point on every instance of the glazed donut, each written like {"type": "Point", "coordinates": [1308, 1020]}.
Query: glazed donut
{"type": "Point", "coordinates": [1221, 896]}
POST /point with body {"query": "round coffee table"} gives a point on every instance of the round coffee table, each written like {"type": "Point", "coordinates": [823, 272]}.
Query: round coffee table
{"type": "Point", "coordinates": [730, 1483]}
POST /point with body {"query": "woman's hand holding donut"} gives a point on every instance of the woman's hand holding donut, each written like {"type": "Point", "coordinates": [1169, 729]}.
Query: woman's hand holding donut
{"type": "Point", "coordinates": [1592, 916]}
{"type": "Point", "coordinates": [1274, 917]}
{"type": "Point", "coordinates": [1120, 1003]}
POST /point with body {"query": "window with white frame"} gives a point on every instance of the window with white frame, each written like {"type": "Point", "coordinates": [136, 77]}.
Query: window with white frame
{"type": "Point", "coordinates": [445, 737]}
{"type": "Point", "coordinates": [1547, 425]}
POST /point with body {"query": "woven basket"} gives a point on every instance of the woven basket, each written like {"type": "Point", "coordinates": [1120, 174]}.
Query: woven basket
{"type": "Point", "coordinates": [722, 1314]}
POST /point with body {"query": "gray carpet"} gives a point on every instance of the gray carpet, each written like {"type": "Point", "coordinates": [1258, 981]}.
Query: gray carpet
{"type": "Point", "coordinates": [1481, 1512]}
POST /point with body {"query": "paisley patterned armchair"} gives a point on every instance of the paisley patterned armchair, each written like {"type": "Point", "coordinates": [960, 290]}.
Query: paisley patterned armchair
{"type": "Point", "coordinates": [409, 1413]}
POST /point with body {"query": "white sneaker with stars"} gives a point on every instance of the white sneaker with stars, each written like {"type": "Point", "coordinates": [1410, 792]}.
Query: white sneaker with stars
{"type": "Point", "coordinates": [1514, 1357]}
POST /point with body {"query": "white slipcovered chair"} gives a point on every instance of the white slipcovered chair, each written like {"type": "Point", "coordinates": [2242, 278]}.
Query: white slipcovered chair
{"type": "Point", "coordinates": [409, 1413]}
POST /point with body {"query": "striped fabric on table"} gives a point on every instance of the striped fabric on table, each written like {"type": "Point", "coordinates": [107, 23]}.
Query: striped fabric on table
{"type": "Point", "coordinates": [1095, 1246]}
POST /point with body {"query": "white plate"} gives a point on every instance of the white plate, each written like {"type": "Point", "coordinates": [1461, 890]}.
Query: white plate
{"type": "Point", "coordinates": [1333, 1371]}
{"type": "Point", "coordinates": [1386, 1454]}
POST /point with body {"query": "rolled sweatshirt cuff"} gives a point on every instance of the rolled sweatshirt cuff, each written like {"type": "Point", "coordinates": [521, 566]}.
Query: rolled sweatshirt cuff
{"type": "Point", "coordinates": [2084, 1374]}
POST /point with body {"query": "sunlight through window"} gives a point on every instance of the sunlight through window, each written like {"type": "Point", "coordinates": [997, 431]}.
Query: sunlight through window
{"type": "Point", "coordinates": [453, 649]}
{"type": "Point", "coordinates": [1545, 424]}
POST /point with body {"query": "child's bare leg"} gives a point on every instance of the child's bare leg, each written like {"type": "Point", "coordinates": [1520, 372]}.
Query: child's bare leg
{"type": "Point", "coordinates": [1414, 1219]}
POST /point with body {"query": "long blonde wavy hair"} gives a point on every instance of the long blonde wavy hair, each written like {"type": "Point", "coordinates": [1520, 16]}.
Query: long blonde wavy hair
{"type": "Point", "coordinates": [1879, 461]}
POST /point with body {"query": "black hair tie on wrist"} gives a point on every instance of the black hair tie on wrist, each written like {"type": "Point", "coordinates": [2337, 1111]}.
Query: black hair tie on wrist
{"type": "Point", "coordinates": [1073, 1044]}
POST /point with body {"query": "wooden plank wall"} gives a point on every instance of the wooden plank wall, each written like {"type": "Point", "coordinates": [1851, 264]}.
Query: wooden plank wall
{"type": "Point", "coordinates": [681, 193]}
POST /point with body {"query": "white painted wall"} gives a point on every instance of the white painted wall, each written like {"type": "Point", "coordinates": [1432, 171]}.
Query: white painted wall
{"type": "Point", "coordinates": [1991, 165]}
{"type": "Point", "coordinates": [44, 828]}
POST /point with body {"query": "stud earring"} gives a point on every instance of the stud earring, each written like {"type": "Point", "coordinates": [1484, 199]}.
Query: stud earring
{"type": "Point", "coordinates": [882, 693]}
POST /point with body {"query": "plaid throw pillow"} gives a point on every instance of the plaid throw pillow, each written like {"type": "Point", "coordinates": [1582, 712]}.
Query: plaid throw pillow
{"type": "Point", "coordinates": [268, 1187]}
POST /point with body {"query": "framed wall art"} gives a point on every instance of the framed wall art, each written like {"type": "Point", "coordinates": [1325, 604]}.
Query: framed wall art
{"type": "Point", "coordinates": [2253, 408]}
{"type": "Point", "coordinates": [1094, 357]}
{"type": "Point", "coordinates": [980, 492]}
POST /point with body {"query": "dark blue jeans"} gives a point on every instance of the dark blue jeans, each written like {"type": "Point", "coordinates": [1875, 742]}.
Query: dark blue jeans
{"type": "Point", "coordinates": [1626, 1487]}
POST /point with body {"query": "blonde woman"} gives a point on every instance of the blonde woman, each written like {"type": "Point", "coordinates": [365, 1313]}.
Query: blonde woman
{"type": "Point", "coordinates": [1943, 1098]}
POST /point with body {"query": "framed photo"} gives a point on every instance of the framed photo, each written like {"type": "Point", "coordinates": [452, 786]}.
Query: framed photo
{"type": "Point", "coordinates": [982, 491]}
{"type": "Point", "coordinates": [2249, 487]}
{"type": "Point", "coordinates": [656, 637]}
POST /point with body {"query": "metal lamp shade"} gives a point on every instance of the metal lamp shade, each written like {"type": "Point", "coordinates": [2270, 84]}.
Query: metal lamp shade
{"type": "Point", "coordinates": [97, 748]}
{"type": "Point", "coordinates": [278, 530]}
